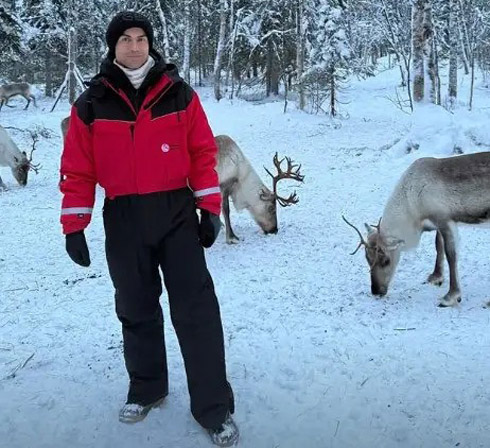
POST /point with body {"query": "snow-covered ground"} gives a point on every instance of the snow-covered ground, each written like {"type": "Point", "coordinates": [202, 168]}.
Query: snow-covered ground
{"type": "Point", "coordinates": [314, 359]}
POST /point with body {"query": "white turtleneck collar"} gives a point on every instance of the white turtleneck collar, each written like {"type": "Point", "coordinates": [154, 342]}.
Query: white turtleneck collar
{"type": "Point", "coordinates": [137, 75]}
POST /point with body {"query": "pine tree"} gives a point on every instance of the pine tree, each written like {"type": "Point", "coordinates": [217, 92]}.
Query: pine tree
{"type": "Point", "coordinates": [10, 36]}
{"type": "Point", "coordinates": [331, 52]}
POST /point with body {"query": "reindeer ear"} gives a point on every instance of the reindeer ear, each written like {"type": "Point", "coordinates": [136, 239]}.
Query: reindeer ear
{"type": "Point", "coordinates": [370, 229]}
{"type": "Point", "coordinates": [393, 243]}
{"type": "Point", "coordinates": [23, 152]}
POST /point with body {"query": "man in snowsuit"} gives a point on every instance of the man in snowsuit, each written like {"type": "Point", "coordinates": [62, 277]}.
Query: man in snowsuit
{"type": "Point", "coordinates": [141, 133]}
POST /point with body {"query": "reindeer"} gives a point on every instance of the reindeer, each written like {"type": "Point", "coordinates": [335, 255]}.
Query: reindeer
{"type": "Point", "coordinates": [239, 180]}
{"type": "Point", "coordinates": [9, 90]}
{"type": "Point", "coordinates": [432, 194]}
{"type": "Point", "coordinates": [11, 156]}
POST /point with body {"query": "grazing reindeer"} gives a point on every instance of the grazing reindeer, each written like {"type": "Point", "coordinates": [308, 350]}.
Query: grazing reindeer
{"type": "Point", "coordinates": [9, 90]}
{"type": "Point", "coordinates": [432, 194]}
{"type": "Point", "coordinates": [11, 156]}
{"type": "Point", "coordinates": [239, 180]}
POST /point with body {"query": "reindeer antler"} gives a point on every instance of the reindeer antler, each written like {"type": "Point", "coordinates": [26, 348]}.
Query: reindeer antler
{"type": "Point", "coordinates": [376, 226]}
{"type": "Point", "coordinates": [363, 242]}
{"type": "Point", "coordinates": [32, 166]}
{"type": "Point", "coordinates": [292, 172]}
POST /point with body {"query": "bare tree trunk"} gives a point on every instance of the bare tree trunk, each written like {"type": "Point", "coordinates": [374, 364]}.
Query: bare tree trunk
{"type": "Point", "coordinates": [418, 50]}
{"type": "Point", "coordinates": [424, 66]}
{"type": "Point", "coordinates": [472, 87]}
{"type": "Point", "coordinates": [231, 61]}
{"type": "Point", "coordinates": [199, 39]}
{"type": "Point", "coordinates": [453, 57]}
{"type": "Point", "coordinates": [95, 56]}
{"type": "Point", "coordinates": [72, 83]}
{"type": "Point", "coordinates": [435, 93]}
{"type": "Point", "coordinates": [219, 50]}
{"type": "Point", "coordinates": [402, 75]}
{"type": "Point", "coordinates": [163, 21]}
{"type": "Point", "coordinates": [430, 54]}
{"type": "Point", "coordinates": [48, 74]}
{"type": "Point", "coordinates": [231, 33]}
{"type": "Point", "coordinates": [333, 112]}
{"type": "Point", "coordinates": [272, 70]}
{"type": "Point", "coordinates": [466, 47]}
{"type": "Point", "coordinates": [186, 68]}
{"type": "Point", "coordinates": [268, 69]}
{"type": "Point", "coordinates": [464, 53]}
{"type": "Point", "coordinates": [300, 53]}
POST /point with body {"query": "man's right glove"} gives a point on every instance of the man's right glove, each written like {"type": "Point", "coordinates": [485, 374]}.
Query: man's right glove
{"type": "Point", "coordinates": [77, 249]}
{"type": "Point", "coordinates": [208, 228]}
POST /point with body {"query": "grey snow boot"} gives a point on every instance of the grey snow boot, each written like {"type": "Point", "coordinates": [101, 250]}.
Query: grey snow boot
{"type": "Point", "coordinates": [226, 435]}
{"type": "Point", "coordinates": [133, 412]}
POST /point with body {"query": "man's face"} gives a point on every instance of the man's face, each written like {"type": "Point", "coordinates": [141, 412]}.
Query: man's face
{"type": "Point", "coordinates": [132, 48]}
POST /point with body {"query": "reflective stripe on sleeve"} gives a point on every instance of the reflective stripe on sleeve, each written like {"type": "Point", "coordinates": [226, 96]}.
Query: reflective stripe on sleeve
{"type": "Point", "coordinates": [205, 192]}
{"type": "Point", "coordinates": [76, 211]}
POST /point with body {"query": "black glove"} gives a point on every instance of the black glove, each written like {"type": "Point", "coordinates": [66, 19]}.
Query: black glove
{"type": "Point", "coordinates": [208, 228]}
{"type": "Point", "coordinates": [77, 249]}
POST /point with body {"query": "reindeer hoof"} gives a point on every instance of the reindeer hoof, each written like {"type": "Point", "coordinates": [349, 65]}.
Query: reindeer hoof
{"type": "Point", "coordinates": [435, 279]}
{"type": "Point", "coordinates": [449, 300]}
{"type": "Point", "coordinates": [232, 240]}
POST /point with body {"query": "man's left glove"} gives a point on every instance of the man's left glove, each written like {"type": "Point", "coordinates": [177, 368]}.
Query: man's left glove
{"type": "Point", "coordinates": [209, 228]}
{"type": "Point", "coordinates": [76, 246]}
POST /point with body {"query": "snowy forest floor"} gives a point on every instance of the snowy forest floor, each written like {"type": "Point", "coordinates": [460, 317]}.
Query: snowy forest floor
{"type": "Point", "coordinates": [314, 359]}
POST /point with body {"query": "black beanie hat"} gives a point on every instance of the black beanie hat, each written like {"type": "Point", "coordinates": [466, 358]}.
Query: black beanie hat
{"type": "Point", "coordinates": [123, 21]}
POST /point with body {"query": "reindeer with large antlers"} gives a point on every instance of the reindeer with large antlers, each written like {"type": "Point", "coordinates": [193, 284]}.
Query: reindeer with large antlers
{"type": "Point", "coordinates": [432, 194]}
{"type": "Point", "coordinates": [17, 160]}
{"type": "Point", "coordinates": [239, 180]}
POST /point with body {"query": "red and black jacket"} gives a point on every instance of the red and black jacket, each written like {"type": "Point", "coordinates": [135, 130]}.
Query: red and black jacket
{"type": "Point", "coordinates": [129, 141]}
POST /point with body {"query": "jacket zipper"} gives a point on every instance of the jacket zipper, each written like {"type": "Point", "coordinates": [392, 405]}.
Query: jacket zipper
{"type": "Point", "coordinates": [123, 96]}
{"type": "Point", "coordinates": [131, 127]}
{"type": "Point", "coordinates": [158, 96]}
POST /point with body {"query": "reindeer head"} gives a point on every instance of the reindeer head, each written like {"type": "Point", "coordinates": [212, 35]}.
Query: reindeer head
{"type": "Point", "coordinates": [24, 164]}
{"type": "Point", "coordinates": [382, 255]}
{"type": "Point", "coordinates": [267, 216]}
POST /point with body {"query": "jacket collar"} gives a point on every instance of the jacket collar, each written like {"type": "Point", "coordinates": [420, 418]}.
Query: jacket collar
{"type": "Point", "coordinates": [115, 76]}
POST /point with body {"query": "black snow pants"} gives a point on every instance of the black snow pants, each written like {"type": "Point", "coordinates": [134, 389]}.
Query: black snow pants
{"type": "Point", "coordinates": [143, 233]}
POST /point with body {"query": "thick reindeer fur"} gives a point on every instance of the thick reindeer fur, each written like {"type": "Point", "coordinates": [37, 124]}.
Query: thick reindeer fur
{"type": "Point", "coordinates": [432, 194]}
{"type": "Point", "coordinates": [235, 170]}
{"type": "Point", "coordinates": [239, 180]}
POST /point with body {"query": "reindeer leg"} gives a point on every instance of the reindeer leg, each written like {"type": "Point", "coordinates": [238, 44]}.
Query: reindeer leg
{"type": "Point", "coordinates": [2, 185]}
{"type": "Point", "coordinates": [231, 238]}
{"type": "Point", "coordinates": [453, 297]}
{"type": "Point", "coordinates": [437, 276]}
{"type": "Point", "coordinates": [28, 102]}
{"type": "Point", "coordinates": [1, 104]}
